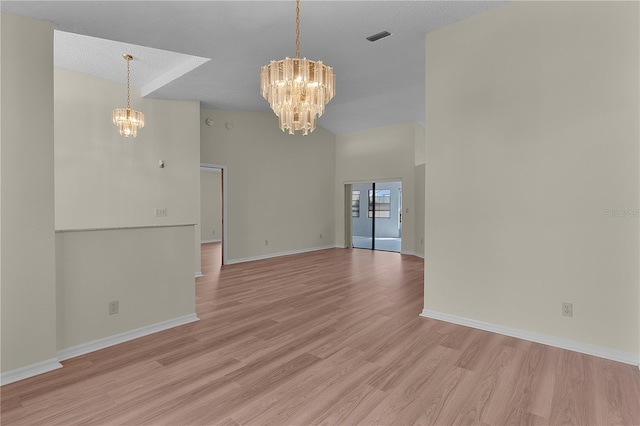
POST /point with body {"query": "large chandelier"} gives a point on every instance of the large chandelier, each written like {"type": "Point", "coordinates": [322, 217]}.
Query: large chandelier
{"type": "Point", "coordinates": [297, 89]}
{"type": "Point", "coordinates": [128, 120]}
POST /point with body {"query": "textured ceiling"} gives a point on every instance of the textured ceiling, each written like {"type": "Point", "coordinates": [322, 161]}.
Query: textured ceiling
{"type": "Point", "coordinates": [378, 84]}
{"type": "Point", "coordinates": [150, 68]}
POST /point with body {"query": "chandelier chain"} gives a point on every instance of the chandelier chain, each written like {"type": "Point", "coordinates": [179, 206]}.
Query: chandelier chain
{"type": "Point", "coordinates": [297, 28]}
{"type": "Point", "coordinates": [128, 89]}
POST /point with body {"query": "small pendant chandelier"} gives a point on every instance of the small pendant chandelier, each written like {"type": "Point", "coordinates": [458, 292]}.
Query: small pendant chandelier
{"type": "Point", "coordinates": [128, 120]}
{"type": "Point", "coordinates": [297, 89]}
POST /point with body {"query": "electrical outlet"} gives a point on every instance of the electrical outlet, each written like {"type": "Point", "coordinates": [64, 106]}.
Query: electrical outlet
{"type": "Point", "coordinates": [114, 307]}
{"type": "Point", "coordinates": [266, 242]}
{"type": "Point", "coordinates": [567, 309]}
{"type": "Point", "coordinates": [160, 212]}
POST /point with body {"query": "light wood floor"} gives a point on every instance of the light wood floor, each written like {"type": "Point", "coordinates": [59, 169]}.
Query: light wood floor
{"type": "Point", "coordinates": [330, 337]}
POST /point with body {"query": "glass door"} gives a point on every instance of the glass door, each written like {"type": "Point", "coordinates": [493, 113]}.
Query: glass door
{"type": "Point", "coordinates": [379, 227]}
{"type": "Point", "coordinates": [361, 222]}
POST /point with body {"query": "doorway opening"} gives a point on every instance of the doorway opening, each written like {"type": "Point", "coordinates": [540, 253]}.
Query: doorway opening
{"type": "Point", "coordinates": [213, 208]}
{"type": "Point", "coordinates": [376, 215]}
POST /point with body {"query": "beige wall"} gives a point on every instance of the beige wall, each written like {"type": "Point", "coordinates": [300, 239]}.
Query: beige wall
{"type": "Point", "coordinates": [210, 205]}
{"type": "Point", "coordinates": [105, 180]}
{"type": "Point", "coordinates": [26, 196]}
{"type": "Point", "coordinates": [147, 270]}
{"type": "Point", "coordinates": [421, 145]}
{"type": "Point", "coordinates": [280, 187]}
{"type": "Point", "coordinates": [532, 135]}
{"type": "Point", "coordinates": [121, 183]}
{"type": "Point", "coordinates": [386, 153]}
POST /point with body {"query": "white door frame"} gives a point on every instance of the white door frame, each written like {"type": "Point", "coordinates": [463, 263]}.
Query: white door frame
{"type": "Point", "coordinates": [348, 237]}
{"type": "Point", "coordinates": [225, 182]}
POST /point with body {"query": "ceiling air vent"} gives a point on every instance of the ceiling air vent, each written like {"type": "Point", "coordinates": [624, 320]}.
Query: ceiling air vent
{"type": "Point", "coordinates": [378, 36]}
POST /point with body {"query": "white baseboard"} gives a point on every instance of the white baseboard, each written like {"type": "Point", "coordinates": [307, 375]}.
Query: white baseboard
{"type": "Point", "coordinates": [210, 241]}
{"type": "Point", "coordinates": [413, 253]}
{"type": "Point", "coordinates": [282, 253]}
{"type": "Point", "coordinates": [29, 371]}
{"type": "Point", "coordinates": [95, 345]}
{"type": "Point", "coordinates": [74, 351]}
{"type": "Point", "coordinates": [545, 339]}
{"type": "Point", "coordinates": [199, 274]}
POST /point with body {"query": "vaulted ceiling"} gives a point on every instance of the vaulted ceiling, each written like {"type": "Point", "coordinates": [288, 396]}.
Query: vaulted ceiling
{"type": "Point", "coordinates": [212, 51]}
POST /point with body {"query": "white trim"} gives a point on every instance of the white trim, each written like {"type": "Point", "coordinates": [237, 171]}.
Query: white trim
{"type": "Point", "coordinates": [199, 274]}
{"type": "Point", "coordinates": [116, 339]}
{"type": "Point", "coordinates": [210, 241]}
{"type": "Point", "coordinates": [225, 192]}
{"type": "Point", "coordinates": [348, 214]}
{"type": "Point", "coordinates": [413, 253]}
{"type": "Point", "coordinates": [271, 255]}
{"type": "Point", "coordinates": [29, 371]}
{"type": "Point", "coordinates": [123, 228]}
{"type": "Point", "coordinates": [545, 339]}
{"type": "Point", "coordinates": [210, 168]}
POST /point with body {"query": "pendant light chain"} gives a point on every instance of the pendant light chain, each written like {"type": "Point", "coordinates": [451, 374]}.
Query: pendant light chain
{"type": "Point", "coordinates": [297, 28]}
{"type": "Point", "coordinates": [128, 89]}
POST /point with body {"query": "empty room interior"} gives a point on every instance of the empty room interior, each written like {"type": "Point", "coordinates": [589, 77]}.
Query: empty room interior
{"type": "Point", "coordinates": [320, 212]}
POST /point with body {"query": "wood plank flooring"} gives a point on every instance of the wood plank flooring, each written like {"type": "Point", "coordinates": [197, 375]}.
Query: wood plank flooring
{"type": "Point", "coordinates": [324, 338]}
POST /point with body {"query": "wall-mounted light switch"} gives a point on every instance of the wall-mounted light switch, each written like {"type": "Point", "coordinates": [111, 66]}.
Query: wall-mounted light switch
{"type": "Point", "coordinates": [114, 307]}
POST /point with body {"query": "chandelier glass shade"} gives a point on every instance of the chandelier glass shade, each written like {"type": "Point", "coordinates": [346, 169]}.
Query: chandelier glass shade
{"type": "Point", "coordinates": [297, 89]}
{"type": "Point", "coordinates": [128, 120]}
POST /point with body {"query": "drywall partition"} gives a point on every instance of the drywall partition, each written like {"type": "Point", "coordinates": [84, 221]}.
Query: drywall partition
{"type": "Point", "coordinates": [122, 220]}
{"type": "Point", "coordinates": [27, 244]}
{"type": "Point", "coordinates": [279, 187]}
{"type": "Point", "coordinates": [146, 270]}
{"type": "Point", "coordinates": [532, 177]}
{"type": "Point", "coordinates": [386, 153]}
{"type": "Point", "coordinates": [210, 205]}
